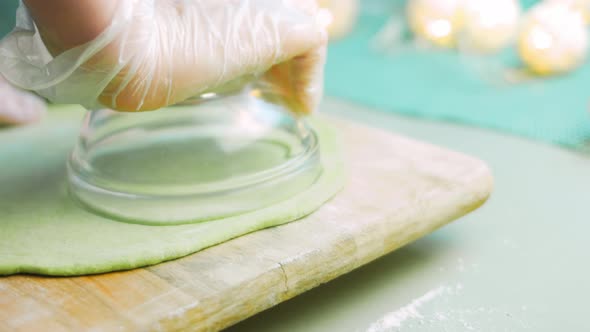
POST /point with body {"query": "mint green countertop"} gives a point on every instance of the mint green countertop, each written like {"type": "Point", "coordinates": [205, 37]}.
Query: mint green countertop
{"type": "Point", "coordinates": [520, 263]}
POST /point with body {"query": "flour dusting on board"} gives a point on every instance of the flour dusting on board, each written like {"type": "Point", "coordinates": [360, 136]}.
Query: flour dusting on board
{"type": "Point", "coordinates": [397, 317]}
{"type": "Point", "coordinates": [437, 310]}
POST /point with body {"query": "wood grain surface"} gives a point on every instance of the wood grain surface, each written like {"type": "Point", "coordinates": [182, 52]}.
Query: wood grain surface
{"type": "Point", "coordinates": [398, 191]}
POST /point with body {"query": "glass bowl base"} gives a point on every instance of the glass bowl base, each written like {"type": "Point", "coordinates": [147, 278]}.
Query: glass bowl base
{"type": "Point", "coordinates": [207, 160]}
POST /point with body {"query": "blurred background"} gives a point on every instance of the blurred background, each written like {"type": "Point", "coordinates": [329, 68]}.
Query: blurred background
{"type": "Point", "coordinates": [492, 90]}
{"type": "Point", "coordinates": [7, 9]}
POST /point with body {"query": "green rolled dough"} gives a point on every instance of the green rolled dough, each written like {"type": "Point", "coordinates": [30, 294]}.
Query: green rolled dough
{"type": "Point", "coordinates": [42, 231]}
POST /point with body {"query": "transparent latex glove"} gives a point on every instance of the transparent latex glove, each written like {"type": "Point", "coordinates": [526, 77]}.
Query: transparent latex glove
{"type": "Point", "coordinates": [17, 106]}
{"type": "Point", "coordinates": [153, 53]}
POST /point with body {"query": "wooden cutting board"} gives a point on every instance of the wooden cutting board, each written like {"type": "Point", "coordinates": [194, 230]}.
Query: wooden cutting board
{"type": "Point", "coordinates": [398, 190]}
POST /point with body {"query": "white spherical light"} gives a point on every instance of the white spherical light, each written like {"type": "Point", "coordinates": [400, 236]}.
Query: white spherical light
{"type": "Point", "coordinates": [583, 6]}
{"type": "Point", "coordinates": [344, 14]}
{"type": "Point", "coordinates": [553, 38]}
{"type": "Point", "coordinates": [436, 21]}
{"type": "Point", "coordinates": [490, 25]}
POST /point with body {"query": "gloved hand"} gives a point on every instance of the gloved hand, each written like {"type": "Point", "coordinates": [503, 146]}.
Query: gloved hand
{"type": "Point", "coordinates": [154, 53]}
{"type": "Point", "coordinates": [18, 107]}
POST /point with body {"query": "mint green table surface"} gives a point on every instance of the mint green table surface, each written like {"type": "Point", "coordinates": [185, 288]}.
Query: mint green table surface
{"type": "Point", "coordinates": [520, 263]}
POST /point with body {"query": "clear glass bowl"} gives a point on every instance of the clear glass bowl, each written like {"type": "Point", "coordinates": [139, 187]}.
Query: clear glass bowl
{"type": "Point", "coordinates": [214, 156]}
